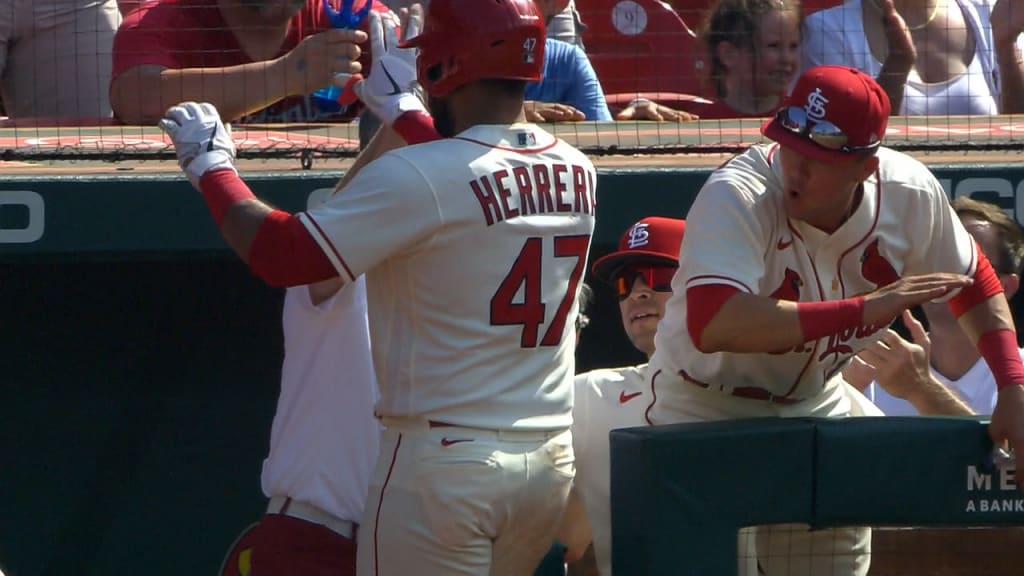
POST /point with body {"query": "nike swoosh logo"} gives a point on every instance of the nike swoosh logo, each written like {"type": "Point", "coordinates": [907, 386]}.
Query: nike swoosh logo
{"type": "Point", "coordinates": [449, 442]}
{"type": "Point", "coordinates": [213, 135]}
{"type": "Point", "coordinates": [623, 397]}
{"type": "Point", "coordinates": [395, 90]}
{"type": "Point", "coordinates": [782, 245]}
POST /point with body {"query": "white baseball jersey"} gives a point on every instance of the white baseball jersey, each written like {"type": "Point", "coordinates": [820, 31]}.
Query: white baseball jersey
{"type": "Point", "coordinates": [605, 400]}
{"type": "Point", "coordinates": [977, 388]}
{"type": "Point", "coordinates": [473, 249]}
{"type": "Point", "coordinates": [738, 234]}
{"type": "Point", "coordinates": [325, 439]}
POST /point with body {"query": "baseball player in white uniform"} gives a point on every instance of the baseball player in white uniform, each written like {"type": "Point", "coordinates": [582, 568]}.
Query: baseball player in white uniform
{"type": "Point", "coordinates": [799, 254]}
{"type": "Point", "coordinates": [323, 443]}
{"type": "Point", "coordinates": [641, 273]}
{"type": "Point", "coordinates": [473, 247]}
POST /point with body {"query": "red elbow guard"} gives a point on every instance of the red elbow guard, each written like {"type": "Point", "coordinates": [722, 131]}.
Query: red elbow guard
{"type": "Point", "coordinates": [284, 254]}
{"type": "Point", "coordinates": [986, 284]}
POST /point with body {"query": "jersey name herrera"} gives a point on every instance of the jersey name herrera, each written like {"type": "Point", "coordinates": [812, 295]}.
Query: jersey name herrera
{"type": "Point", "coordinates": [536, 189]}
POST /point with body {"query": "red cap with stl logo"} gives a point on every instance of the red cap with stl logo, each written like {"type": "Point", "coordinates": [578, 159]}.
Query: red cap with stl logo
{"type": "Point", "coordinates": [845, 97]}
{"type": "Point", "coordinates": [653, 239]}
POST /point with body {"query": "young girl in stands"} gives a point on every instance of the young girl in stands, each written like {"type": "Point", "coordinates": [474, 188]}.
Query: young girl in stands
{"type": "Point", "coordinates": [753, 50]}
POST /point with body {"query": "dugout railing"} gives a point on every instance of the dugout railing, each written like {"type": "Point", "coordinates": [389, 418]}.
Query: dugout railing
{"type": "Point", "coordinates": [681, 492]}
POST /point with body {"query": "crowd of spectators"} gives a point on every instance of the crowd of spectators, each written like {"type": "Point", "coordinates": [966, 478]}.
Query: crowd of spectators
{"type": "Point", "coordinates": [128, 60]}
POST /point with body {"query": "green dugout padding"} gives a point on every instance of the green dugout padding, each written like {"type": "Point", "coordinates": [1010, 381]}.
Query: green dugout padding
{"type": "Point", "coordinates": [680, 492]}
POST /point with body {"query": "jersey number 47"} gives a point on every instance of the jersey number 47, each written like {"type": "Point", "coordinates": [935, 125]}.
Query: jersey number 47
{"type": "Point", "coordinates": [527, 272]}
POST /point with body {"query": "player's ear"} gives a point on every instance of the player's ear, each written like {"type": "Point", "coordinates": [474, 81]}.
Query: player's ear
{"type": "Point", "coordinates": [868, 166]}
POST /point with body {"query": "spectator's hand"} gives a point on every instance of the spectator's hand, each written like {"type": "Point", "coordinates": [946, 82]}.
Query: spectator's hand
{"type": "Point", "coordinates": [391, 89]}
{"type": "Point", "coordinates": [551, 112]}
{"type": "Point", "coordinates": [330, 56]}
{"type": "Point", "coordinates": [1007, 21]}
{"type": "Point", "coordinates": [898, 366]}
{"type": "Point", "coordinates": [884, 304]}
{"type": "Point", "coordinates": [1007, 425]}
{"type": "Point", "coordinates": [902, 52]}
{"type": "Point", "coordinates": [644, 109]}
{"type": "Point", "coordinates": [201, 141]}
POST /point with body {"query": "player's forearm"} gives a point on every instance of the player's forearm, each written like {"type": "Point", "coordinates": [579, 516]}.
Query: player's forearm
{"type": "Point", "coordinates": [990, 314]}
{"type": "Point", "coordinates": [990, 326]}
{"type": "Point", "coordinates": [241, 223]}
{"type": "Point", "coordinates": [1011, 75]}
{"type": "Point", "coordinates": [142, 95]}
{"type": "Point", "coordinates": [275, 244]}
{"type": "Point", "coordinates": [932, 398]}
{"type": "Point", "coordinates": [748, 323]}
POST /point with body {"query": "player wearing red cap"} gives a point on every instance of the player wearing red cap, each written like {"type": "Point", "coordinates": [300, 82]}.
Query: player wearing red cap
{"type": "Point", "coordinates": [640, 272]}
{"type": "Point", "coordinates": [473, 247]}
{"type": "Point", "coordinates": [798, 255]}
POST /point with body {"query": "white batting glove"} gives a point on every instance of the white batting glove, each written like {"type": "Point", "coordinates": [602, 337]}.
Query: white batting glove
{"type": "Point", "coordinates": [201, 141]}
{"type": "Point", "coordinates": [390, 90]}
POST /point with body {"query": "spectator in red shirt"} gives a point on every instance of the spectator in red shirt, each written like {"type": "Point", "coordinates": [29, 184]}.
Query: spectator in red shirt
{"type": "Point", "coordinates": [256, 61]}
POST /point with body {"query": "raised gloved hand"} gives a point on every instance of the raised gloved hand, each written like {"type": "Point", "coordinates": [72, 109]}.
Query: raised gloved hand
{"type": "Point", "coordinates": [391, 90]}
{"type": "Point", "coordinates": [201, 141]}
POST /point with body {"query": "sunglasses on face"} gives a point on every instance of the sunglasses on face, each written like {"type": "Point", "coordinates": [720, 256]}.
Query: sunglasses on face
{"type": "Point", "coordinates": [657, 278]}
{"type": "Point", "coordinates": [823, 133]}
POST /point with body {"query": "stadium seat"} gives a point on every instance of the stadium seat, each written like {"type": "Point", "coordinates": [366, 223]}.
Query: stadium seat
{"type": "Point", "coordinates": [641, 46]}
{"type": "Point", "coordinates": [693, 12]}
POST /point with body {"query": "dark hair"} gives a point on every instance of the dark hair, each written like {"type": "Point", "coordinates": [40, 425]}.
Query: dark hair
{"type": "Point", "coordinates": [736, 22]}
{"type": "Point", "coordinates": [585, 298]}
{"type": "Point", "coordinates": [505, 86]}
{"type": "Point", "coordinates": [1009, 233]}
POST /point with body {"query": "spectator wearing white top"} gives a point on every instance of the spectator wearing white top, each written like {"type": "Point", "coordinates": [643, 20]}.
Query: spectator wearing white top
{"type": "Point", "coordinates": [932, 57]}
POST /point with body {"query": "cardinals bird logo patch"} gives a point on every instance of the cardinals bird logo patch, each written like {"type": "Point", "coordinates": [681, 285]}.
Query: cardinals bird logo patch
{"type": "Point", "coordinates": [875, 268]}
{"type": "Point", "coordinates": [790, 287]}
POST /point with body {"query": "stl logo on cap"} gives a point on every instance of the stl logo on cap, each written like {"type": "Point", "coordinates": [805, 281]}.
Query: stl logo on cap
{"type": "Point", "coordinates": [815, 106]}
{"type": "Point", "coordinates": [638, 235]}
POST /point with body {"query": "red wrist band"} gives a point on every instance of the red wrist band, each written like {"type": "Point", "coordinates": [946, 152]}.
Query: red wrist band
{"type": "Point", "coordinates": [820, 319]}
{"type": "Point", "coordinates": [222, 189]}
{"type": "Point", "coordinates": [416, 127]}
{"type": "Point", "coordinates": [999, 348]}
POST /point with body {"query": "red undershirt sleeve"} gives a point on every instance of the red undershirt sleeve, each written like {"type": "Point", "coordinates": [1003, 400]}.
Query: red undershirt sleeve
{"type": "Point", "coordinates": [702, 303]}
{"type": "Point", "coordinates": [986, 284]}
{"type": "Point", "coordinates": [282, 253]}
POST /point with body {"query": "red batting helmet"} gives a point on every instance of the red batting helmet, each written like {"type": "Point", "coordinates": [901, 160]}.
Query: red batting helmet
{"type": "Point", "coordinates": [467, 40]}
